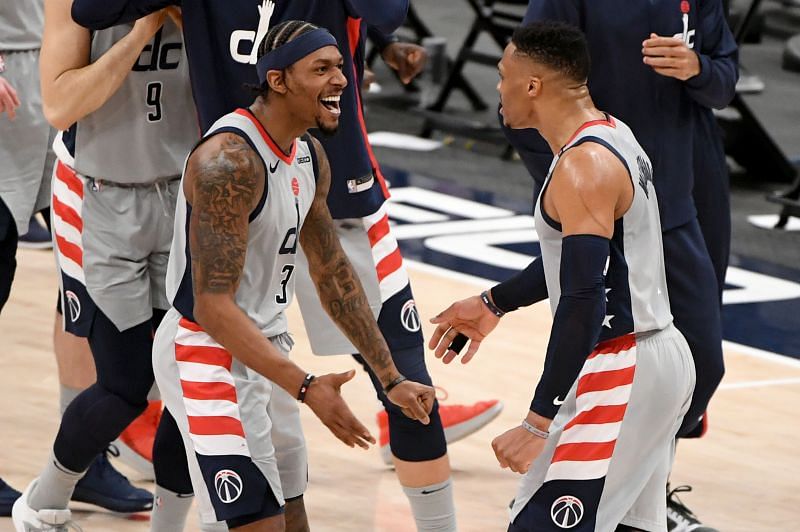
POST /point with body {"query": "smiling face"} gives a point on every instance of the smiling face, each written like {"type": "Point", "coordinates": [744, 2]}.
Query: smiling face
{"type": "Point", "coordinates": [314, 88]}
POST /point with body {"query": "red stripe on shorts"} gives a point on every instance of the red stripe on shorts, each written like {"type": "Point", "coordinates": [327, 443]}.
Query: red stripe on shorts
{"type": "Point", "coordinates": [599, 415]}
{"type": "Point", "coordinates": [614, 346]}
{"type": "Point", "coordinates": [215, 356]}
{"type": "Point", "coordinates": [68, 214]}
{"type": "Point", "coordinates": [208, 391]}
{"type": "Point", "coordinates": [605, 380]}
{"type": "Point", "coordinates": [584, 452]}
{"type": "Point", "coordinates": [70, 250]}
{"type": "Point", "coordinates": [192, 326]}
{"type": "Point", "coordinates": [67, 175]}
{"type": "Point", "coordinates": [215, 426]}
{"type": "Point", "coordinates": [379, 230]}
{"type": "Point", "coordinates": [389, 264]}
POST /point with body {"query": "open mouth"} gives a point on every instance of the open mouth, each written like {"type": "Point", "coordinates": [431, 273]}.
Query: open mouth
{"type": "Point", "coordinates": [331, 104]}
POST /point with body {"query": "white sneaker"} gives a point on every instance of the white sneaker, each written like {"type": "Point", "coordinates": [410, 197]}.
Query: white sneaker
{"type": "Point", "coordinates": [26, 519]}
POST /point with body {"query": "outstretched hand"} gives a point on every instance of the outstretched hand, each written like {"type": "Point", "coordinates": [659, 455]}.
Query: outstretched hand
{"type": "Point", "coordinates": [325, 400]}
{"type": "Point", "coordinates": [406, 58]}
{"type": "Point", "coordinates": [415, 399]}
{"type": "Point", "coordinates": [469, 317]}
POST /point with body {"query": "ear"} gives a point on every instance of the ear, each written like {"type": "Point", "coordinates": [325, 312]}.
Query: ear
{"type": "Point", "coordinates": [277, 81]}
{"type": "Point", "coordinates": [534, 86]}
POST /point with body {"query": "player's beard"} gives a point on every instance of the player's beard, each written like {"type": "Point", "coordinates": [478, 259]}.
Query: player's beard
{"type": "Point", "coordinates": [327, 130]}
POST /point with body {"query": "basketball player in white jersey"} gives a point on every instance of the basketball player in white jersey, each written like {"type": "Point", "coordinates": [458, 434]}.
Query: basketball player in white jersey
{"type": "Point", "coordinates": [252, 190]}
{"type": "Point", "coordinates": [597, 443]}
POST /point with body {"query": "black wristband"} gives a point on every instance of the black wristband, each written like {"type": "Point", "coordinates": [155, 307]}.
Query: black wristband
{"type": "Point", "coordinates": [391, 385]}
{"type": "Point", "coordinates": [301, 395]}
{"type": "Point", "coordinates": [491, 306]}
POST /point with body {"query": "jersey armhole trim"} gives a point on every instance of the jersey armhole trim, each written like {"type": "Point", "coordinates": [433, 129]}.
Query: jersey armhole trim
{"type": "Point", "coordinates": [618, 155]}
{"type": "Point", "coordinates": [313, 152]}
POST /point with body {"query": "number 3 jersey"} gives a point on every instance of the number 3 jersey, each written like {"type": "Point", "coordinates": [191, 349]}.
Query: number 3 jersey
{"type": "Point", "coordinates": [144, 131]}
{"type": "Point", "coordinates": [266, 286]}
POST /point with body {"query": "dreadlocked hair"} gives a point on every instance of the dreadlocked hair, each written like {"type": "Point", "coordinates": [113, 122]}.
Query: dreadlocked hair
{"type": "Point", "coordinates": [276, 37]}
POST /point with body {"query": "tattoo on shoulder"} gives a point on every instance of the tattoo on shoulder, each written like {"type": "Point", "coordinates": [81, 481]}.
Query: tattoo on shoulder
{"type": "Point", "coordinates": [224, 194]}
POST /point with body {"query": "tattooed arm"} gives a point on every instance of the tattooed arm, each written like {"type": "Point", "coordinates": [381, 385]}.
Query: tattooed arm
{"type": "Point", "coordinates": [343, 298]}
{"type": "Point", "coordinates": [224, 181]}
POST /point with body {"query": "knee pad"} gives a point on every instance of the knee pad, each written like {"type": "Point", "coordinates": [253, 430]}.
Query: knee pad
{"type": "Point", "coordinates": [411, 440]}
{"type": "Point", "coordinates": [93, 420]}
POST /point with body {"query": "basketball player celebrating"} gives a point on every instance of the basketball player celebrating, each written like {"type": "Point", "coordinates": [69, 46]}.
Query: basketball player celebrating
{"type": "Point", "coordinates": [108, 92]}
{"type": "Point", "coordinates": [597, 443]}
{"type": "Point", "coordinates": [356, 201]}
{"type": "Point", "coordinates": [252, 190]}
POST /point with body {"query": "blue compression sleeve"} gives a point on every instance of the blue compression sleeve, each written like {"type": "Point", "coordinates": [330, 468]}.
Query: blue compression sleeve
{"type": "Point", "coordinates": [577, 321]}
{"type": "Point", "coordinates": [101, 14]}
{"type": "Point", "coordinates": [523, 289]}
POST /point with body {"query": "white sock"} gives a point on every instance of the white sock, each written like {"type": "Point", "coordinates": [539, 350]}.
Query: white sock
{"type": "Point", "coordinates": [433, 506]}
{"type": "Point", "coordinates": [169, 510]}
{"type": "Point", "coordinates": [54, 487]}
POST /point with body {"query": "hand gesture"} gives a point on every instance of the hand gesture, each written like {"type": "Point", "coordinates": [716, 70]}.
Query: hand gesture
{"type": "Point", "coordinates": [325, 400]}
{"type": "Point", "coordinates": [469, 317]}
{"type": "Point", "coordinates": [406, 58]}
{"type": "Point", "coordinates": [517, 448]}
{"type": "Point", "coordinates": [671, 57]}
{"type": "Point", "coordinates": [415, 399]}
{"type": "Point", "coordinates": [9, 101]}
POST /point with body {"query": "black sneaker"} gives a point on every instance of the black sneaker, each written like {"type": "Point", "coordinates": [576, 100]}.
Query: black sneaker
{"type": "Point", "coordinates": [37, 237]}
{"type": "Point", "coordinates": [679, 517]}
{"type": "Point", "coordinates": [104, 486]}
{"type": "Point", "coordinates": [7, 497]}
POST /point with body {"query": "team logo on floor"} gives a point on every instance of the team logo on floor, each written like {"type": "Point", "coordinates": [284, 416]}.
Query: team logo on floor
{"type": "Point", "coordinates": [409, 316]}
{"type": "Point", "coordinates": [228, 484]}
{"type": "Point", "coordinates": [567, 511]}
{"type": "Point", "coordinates": [74, 305]}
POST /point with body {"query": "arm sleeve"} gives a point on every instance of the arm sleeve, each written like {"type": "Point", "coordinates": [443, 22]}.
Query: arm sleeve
{"type": "Point", "coordinates": [523, 289]}
{"type": "Point", "coordinates": [577, 321]}
{"type": "Point", "coordinates": [101, 14]}
{"type": "Point", "coordinates": [385, 15]}
{"type": "Point", "coordinates": [715, 85]}
{"type": "Point", "coordinates": [379, 39]}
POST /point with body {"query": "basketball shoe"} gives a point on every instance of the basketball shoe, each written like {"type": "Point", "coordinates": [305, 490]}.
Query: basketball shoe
{"type": "Point", "coordinates": [459, 421]}
{"type": "Point", "coordinates": [679, 517]}
{"type": "Point", "coordinates": [37, 237]}
{"type": "Point", "coordinates": [26, 519]}
{"type": "Point", "coordinates": [7, 497]}
{"type": "Point", "coordinates": [104, 486]}
{"type": "Point", "coordinates": [134, 447]}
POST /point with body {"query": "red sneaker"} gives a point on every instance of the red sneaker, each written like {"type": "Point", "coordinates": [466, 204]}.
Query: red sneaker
{"type": "Point", "coordinates": [459, 421]}
{"type": "Point", "coordinates": [135, 444]}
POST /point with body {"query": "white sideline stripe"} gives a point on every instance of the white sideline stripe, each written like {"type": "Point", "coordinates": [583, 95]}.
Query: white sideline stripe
{"type": "Point", "coordinates": [66, 195]}
{"type": "Point", "coordinates": [219, 444]}
{"type": "Point", "coordinates": [609, 362]}
{"type": "Point", "coordinates": [578, 470]}
{"type": "Point", "coordinates": [67, 231]}
{"type": "Point", "coordinates": [594, 433]}
{"type": "Point", "coordinates": [211, 407]}
{"type": "Point", "coordinates": [194, 372]}
{"type": "Point", "coordinates": [613, 397]}
{"type": "Point", "coordinates": [70, 268]}
{"type": "Point", "coordinates": [481, 282]}
{"type": "Point", "coordinates": [383, 248]}
{"type": "Point", "coordinates": [393, 283]}
{"type": "Point", "coordinates": [375, 217]}
{"type": "Point", "coordinates": [757, 384]}
{"type": "Point", "coordinates": [199, 339]}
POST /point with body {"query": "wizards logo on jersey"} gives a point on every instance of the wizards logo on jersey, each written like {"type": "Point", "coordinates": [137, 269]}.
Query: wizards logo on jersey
{"type": "Point", "coordinates": [686, 35]}
{"type": "Point", "coordinates": [158, 56]}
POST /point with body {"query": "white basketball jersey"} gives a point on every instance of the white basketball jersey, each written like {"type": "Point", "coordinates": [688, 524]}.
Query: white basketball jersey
{"type": "Point", "coordinates": [266, 287]}
{"type": "Point", "coordinates": [636, 286]}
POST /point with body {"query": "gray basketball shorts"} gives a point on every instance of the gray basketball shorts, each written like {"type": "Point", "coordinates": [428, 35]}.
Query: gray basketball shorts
{"type": "Point", "coordinates": [612, 443]}
{"type": "Point", "coordinates": [112, 244]}
{"type": "Point", "coordinates": [242, 433]}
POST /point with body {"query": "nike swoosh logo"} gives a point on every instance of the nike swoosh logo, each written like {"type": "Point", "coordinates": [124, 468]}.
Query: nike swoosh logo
{"type": "Point", "coordinates": [557, 402]}
{"type": "Point", "coordinates": [428, 492]}
{"type": "Point", "coordinates": [273, 168]}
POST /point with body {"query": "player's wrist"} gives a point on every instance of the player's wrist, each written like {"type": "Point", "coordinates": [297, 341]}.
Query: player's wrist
{"type": "Point", "coordinates": [538, 421]}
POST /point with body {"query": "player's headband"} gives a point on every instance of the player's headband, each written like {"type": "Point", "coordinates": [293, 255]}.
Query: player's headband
{"type": "Point", "coordinates": [293, 51]}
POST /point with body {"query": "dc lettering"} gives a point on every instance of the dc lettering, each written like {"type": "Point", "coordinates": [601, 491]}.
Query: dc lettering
{"type": "Point", "coordinates": [156, 56]}
{"type": "Point", "coordinates": [289, 244]}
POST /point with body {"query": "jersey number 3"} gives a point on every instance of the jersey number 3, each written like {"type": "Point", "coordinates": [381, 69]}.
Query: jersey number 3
{"type": "Point", "coordinates": [286, 274]}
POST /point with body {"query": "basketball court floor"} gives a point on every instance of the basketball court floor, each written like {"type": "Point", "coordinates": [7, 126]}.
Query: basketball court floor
{"type": "Point", "coordinates": [457, 242]}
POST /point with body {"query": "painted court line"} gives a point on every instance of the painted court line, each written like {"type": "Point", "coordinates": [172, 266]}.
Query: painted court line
{"type": "Point", "coordinates": [757, 384]}
{"type": "Point", "coordinates": [481, 282]}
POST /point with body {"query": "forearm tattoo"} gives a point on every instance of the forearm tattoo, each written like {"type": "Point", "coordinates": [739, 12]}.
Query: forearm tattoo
{"type": "Point", "coordinates": [224, 190]}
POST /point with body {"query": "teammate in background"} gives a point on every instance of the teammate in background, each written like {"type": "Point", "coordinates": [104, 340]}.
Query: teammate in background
{"type": "Point", "coordinates": [356, 201]}
{"type": "Point", "coordinates": [252, 190]}
{"type": "Point", "coordinates": [25, 175]}
{"type": "Point", "coordinates": [112, 220]}
{"type": "Point", "coordinates": [661, 69]}
{"type": "Point", "coordinates": [597, 444]}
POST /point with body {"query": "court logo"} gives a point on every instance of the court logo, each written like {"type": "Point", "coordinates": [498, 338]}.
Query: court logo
{"type": "Point", "coordinates": [229, 485]}
{"type": "Point", "coordinates": [409, 316]}
{"type": "Point", "coordinates": [74, 305]}
{"type": "Point", "coordinates": [567, 511]}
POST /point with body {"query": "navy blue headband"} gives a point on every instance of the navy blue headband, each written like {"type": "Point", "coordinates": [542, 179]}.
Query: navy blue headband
{"type": "Point", "coordinates": [293, 51]}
